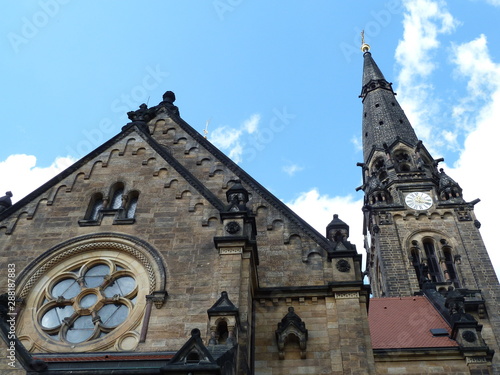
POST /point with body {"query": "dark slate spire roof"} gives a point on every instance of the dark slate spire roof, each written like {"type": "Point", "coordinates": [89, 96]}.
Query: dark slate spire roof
{"type": "Point", "coordinates": [384, 121]}
{"type": "Point", "coordinates": [371, 71]}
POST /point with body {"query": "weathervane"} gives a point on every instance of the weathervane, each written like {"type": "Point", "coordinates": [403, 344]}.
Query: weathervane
{"type": "Point", "coordinates": [364, 47]}
{"type": "Point", "coordinates": [205, 131]}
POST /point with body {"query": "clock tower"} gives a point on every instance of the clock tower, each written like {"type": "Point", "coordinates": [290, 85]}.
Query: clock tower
{"type": "Point", "coordinates": [418, 227]}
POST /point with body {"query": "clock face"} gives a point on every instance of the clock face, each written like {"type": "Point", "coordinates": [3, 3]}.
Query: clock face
{"type": "Point", "coordinates": [418, 200]}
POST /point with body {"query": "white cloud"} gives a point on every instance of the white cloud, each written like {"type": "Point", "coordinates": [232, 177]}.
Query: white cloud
{"type": "Point", "coordinates": [230, 139]}
{"type": "Point", "coordinates": [357, 143]}
{"type": "Point", "coordinates": [474, 171]}
{"type": "Point", "coordinates": [291, 169]}
{"type": "Point", "coordinates": [424, 21]}
{"type": "Point", "coordinates": [236, 153]}
{"type": "Point", "coordinates": [475, 113]}
{"type": "Point", "coordinates": [225, 137]}
{"type": "Point", "coordinates": [23, 176]}
{"type": "Point", "coordinates": [493, 2]}
{"type": "Point", "coordinates": [252, 123]}
{"type": "Point", "coordinates": [318, 210]}
{"type": "Point", "coordinates": [450, 138]}
{"type": "Point", "coordinates": [474, 63]}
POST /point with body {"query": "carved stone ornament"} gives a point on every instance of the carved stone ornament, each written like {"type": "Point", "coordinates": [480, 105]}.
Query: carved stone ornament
{"type": "Point", "coordinates": [469, 336]}
{"type": "Point", "coordinates": [291, 324]}
{"type": "Point", "coordinates": [343, 265]}
{"type": "Point", "coordinates": [158, 297]}
{"type": "Point", "coordinates": [5, 201]}
{"type": "Point", "coordinates": [463, 215]}
{"type": "Point", "coordinates": [233, 227]}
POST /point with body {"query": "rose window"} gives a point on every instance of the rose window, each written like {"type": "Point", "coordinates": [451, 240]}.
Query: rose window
{"type": "Point", "coordinates": [87, 302]}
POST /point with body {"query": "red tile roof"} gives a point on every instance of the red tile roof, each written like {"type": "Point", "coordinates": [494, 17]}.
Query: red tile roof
{"type": "Point", "coordinates": [405, 322]}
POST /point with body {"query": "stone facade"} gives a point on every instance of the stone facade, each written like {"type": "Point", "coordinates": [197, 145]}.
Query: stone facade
{"type": "Point", "coordinates": [201, 227]}
{"type": "Point", "coordinates": [156, 254]}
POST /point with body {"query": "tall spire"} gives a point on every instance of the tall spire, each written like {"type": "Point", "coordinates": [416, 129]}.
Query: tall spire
{"type": "Point", "coordinates": [384, 121]}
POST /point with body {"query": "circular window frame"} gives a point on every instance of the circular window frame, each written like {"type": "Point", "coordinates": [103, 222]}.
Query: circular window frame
{"type": "Point", "coordinates": [138, 260]}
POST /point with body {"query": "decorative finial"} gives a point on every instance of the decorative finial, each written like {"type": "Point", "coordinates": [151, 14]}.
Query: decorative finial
{"type": "Point", "coordinates": [5, 201]}
{"type": "Point", "coordinates": [364, 47]}
{"type": "Point", "coordinates": [205, 131]}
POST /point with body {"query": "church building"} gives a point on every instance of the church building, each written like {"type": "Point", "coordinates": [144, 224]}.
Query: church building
{"type": "Point", "coordinates": [157, 254]}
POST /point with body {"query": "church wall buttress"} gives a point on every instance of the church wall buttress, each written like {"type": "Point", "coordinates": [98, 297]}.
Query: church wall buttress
{"type": "Point", "coordinates": [478, 271]}
{"type": "Point", "coordinates": [392, 277]}
{"type": "Point", "coordinates": [338, 336]}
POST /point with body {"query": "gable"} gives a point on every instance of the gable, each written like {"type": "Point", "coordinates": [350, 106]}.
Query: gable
{"type": "Point", "coordinates": [131, 159]}
{"type": "Point", "coordinates": [217, 171]}
{"type": "Point", "coordinates": [168, 167]}
{"type": "Point", "coordinates": [285, 241]}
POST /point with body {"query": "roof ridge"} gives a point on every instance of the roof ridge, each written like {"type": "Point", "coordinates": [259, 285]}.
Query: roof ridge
{"type": "Point", "coordinates": [254, 184]}
{"type": "Point", "coordinates": [183, 171]}
{"type": "Point", "coordinates": [63, 174]}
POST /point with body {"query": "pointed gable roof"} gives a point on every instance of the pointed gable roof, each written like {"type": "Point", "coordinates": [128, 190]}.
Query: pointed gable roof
{"type": "Point", "coordinates": [248, 180]}
{"type": "Point", "coordinates": [193, 351]}
{"type": "Point", "coordinates": [223, 306]}
{"type": "Point", "coordinates": [165, 111]}
{"type": "Point", "coordinates": [128, 130]}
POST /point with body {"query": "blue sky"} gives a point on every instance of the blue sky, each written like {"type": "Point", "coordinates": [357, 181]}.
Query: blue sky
{"type": "Point", "coordinates": [277, 83]}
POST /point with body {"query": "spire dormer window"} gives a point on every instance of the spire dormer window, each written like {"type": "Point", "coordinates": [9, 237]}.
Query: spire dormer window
{"type": "Point", "coordinates": [403, 161]}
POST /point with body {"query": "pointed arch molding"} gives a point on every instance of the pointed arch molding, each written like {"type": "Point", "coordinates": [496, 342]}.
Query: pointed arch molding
{"type": "Point", "coordinates": [140, 250]}
{"type": "Point", "coordinates": [421, 234]}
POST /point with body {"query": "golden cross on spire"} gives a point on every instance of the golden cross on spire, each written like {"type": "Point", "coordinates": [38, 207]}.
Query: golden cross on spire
{"type": "Point", "coordinates": [364, 47]}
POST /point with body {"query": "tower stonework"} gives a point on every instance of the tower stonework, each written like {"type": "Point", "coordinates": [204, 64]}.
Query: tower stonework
{"type": "Point", "coordinates": [422, 237]}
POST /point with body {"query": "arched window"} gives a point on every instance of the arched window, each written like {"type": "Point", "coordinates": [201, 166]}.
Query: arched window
{"type": "Point", "coordinates": [222, 332]}
{"type": "Point", "coordinates": [74, 312]}
{"type": "Point", "coordinates": [87, 296]}
{"type": "Point", "coordinates": [96, 204]}
{"type": "Point", "coordinates": [379, 169]}
{"type": "Point", "coordinates": [415, 258]}
{"type": "Point", "coordinates": [402, 161]}
{"type": "Point", "coordinates": [133, 198]}
{"type": "Point", "coordinates": [116, 196]}
{"type": "Point", "coordinates": [122, 206]}
{"type": "Point", "coordinates": [432, 261]}
{"type": "Point", "coordinates": [449, 262]}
